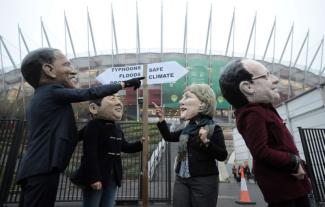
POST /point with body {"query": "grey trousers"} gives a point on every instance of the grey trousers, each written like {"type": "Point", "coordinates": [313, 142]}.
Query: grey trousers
{"type": "Point", "coordinates": [196, 191]}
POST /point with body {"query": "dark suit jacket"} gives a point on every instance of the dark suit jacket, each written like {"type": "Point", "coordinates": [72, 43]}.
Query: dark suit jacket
{"type": "Point", "coordinates": [201, 158]}
{"type": "Point", "coordinates": [101, 161]}
{"type": "Point", "coordinates": [52, 132]}
{"type": "Point", "coordinates": [271, 146]}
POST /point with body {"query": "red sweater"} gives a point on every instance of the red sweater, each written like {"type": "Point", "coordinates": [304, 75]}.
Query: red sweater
{"type": "Point", "coordinates": [270, 144]}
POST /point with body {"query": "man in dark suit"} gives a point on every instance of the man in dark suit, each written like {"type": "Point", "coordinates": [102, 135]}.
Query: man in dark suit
{"type": "Point", "coordinates": [250, 88]}
{"type": "Point", "coordinates": [52, 132]}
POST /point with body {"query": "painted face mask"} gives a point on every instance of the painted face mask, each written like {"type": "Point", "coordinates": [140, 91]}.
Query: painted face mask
{"type": "Point", "coordinates": [263, 83]}
{"type": "Point", "coordinates": [189, 105]}
{"type": "Point", "coordinates": [111, 108]}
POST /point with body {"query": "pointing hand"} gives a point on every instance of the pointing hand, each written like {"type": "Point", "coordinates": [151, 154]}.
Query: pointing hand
{"type": "Point", "coordinates": [134, 82]}
{"type": "Point", "coordinates": [159, 112]}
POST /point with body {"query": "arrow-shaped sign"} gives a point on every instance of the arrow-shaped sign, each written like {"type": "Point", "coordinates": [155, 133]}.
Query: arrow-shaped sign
{"type": "Point", "coordinates": [163, 72]}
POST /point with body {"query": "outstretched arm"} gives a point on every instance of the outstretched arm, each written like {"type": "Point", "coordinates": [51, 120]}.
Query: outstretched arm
{"type": "Point", "coordinates": [69, 95]}
{"type": "Point", "coordinates": [131, 147]}
{"type": "Point", "coordinates": [162, 126]}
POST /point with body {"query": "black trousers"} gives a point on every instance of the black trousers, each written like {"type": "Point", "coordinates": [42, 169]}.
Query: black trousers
{"type": "Point", "coordinates": [196, 191]}
{"type": "Point", "coordinates": [39, 190]}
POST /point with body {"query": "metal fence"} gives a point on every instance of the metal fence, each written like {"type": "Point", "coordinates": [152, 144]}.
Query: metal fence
{"type": "Point", "coordinates": [11, 132]}
{"type": "Point", "coordinates": [13, 145]}
{"type": "Point", "coordinates": [313, 143]}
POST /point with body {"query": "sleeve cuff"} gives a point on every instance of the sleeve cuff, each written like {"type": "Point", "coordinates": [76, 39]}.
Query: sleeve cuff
{"type": "Point", "coordinates": [294, 165]}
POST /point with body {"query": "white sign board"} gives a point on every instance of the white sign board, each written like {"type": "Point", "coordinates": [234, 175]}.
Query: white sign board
{"type": "Point", "coordinates": [163, 72]}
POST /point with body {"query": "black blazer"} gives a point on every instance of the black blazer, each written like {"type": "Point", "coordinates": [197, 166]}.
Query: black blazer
{"type": "Point", "coordinates": [52, 132]}
{"type": "Point", "coordinates": [201, 157]}
{"type": "Point", "coordinates": [103, 143]}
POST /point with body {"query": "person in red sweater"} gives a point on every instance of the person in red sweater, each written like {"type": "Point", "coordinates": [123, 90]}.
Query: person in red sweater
{"type": "Point", "coordinates": [250, 88]}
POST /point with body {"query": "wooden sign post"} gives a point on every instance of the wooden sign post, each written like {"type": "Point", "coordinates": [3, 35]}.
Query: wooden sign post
{"type": "Point", "coordinates": [154, 73]}
{"type": "Point", "coordinates": [145, 199]}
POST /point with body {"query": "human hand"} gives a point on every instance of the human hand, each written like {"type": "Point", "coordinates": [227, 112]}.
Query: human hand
{"type": "Point", "coordinates": [300, 175]}
{"type": "Point", "coordinates": [159, 112]}
{"type": "Point", "coordinates": [143, 139]}
{"type": "Point", "coordinates": [96, 185]}
{"type": "Point", "coordinates": [134, 82]}
{"type": "Point", "coordinates": [203, 134]}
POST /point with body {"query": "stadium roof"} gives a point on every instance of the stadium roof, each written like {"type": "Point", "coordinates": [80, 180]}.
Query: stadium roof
{"type": "Point", "coordinates": [202, 69]}
{"type": "Point", "coordinates": [298, 71]}
{"type": "Point", "coordinates": [220, 28]}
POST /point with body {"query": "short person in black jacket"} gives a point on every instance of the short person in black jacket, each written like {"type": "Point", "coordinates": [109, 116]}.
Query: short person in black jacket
{"type": "Point", "coordinates": [52, 132]}
{"type": "Point", "coordinates": [100, 171]}
{"type": "Point", "coordinates": [201, 143]}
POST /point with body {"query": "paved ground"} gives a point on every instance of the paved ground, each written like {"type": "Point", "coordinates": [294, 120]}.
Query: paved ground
{"type": "Point", "coordinates": [228, 194]}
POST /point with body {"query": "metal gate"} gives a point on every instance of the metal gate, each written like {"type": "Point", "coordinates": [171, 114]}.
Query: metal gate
{"type": "Point", "coordinates": [11, 132]}
{"type": "Point", "coordinates": [313, 143]}
{"type": "Point", "coordinates": [12, 146]}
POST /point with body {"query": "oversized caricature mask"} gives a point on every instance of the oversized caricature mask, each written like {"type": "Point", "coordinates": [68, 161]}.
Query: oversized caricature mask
{"type": "Point", "coordinates": [111, 108]}
{"type": "Point", "coordinates": [197, 99]}
{"type": "Point", "coordinates": [263, 87]}
{"type": "Point", "coordinates": [189, 105]}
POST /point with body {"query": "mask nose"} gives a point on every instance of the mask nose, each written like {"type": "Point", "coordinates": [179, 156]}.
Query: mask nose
{"type": "Point", "coordinates": [73, 70]}
{"type": "Point", "coordinates": [180, 102]}
{"type": "Point", "coordinates": [119, 103]}
{"type": "Point", "coordinates": [275, 79]}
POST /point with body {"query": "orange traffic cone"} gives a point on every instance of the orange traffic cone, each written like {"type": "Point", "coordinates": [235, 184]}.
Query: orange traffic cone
{"type": "Point", "coordinates": [244, 194]}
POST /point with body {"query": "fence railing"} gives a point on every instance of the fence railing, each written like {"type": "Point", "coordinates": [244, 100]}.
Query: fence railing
{"type": "Point", "coordinates": [313, 143]}
{"type": "Point", "coordinates": [13, 144]}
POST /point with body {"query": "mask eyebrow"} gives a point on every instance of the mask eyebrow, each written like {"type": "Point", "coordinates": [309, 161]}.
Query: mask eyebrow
{"type": "Point", "coordinates": [265, 75]}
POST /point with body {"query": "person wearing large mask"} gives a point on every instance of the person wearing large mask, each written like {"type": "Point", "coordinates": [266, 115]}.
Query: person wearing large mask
{"type": "Point", "coordinates": [251, 89]}
{"type": "Point", "coordinates": [200, 145]}
{"type": "Point", "coordinates": [100, 171]}
{"type": "Point", "coordinates": [52, 131]}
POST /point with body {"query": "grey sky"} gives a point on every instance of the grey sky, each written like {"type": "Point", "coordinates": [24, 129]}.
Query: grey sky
{"type": "Point", "coordinates": [304, 13]}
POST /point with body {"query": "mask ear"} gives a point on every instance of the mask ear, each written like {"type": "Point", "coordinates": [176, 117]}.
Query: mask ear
{"type": "Point", "coordinates": [246, 88]}
{"type": "Point", "coordinates": [48, 70]}
{"type": "Point", "coordinates": [93, 108]}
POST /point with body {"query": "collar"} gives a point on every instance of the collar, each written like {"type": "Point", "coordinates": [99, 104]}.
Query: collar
{"type": "Point", "coordinates": [104, 121]}
{"type": "Point", "coordinates": [254, 106]}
